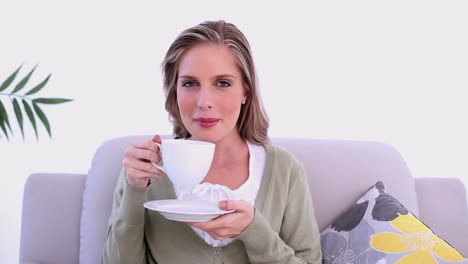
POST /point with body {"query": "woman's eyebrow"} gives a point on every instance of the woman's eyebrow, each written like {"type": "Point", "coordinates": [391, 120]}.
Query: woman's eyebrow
{"type": "Point", "coordinates": [185, 76]}
{"type": "Point", "coordinates": [225, 76]}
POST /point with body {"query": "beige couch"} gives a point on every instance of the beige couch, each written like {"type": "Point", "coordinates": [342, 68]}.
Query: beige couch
{"type": "Point", "coordinates": [65, 216]}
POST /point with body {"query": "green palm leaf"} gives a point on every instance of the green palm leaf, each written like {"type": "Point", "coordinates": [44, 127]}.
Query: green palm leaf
{"type": "Point", "coordinates": [43, 118]}
{"type": "Point", "coordinates": [39, 86]}
{"type": "Point", "coordinates": [2, 122]}
{"type": "Point", "coordinates": [51, 100]}
{"type": "Point", "coordinates": [10, 79]}
{"type": "Point", "coordinates": [19, 115]}
{"type": "Point", "coordinates": [2, 125]}
{"type": "Point", "coordinates": [30, 116]}
{"type": "Point", "coordinates": [23, 82]}
{"type": "Point", "coordinates": [4, 115]}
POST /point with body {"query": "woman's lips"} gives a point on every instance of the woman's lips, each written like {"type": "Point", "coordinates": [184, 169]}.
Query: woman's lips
{"type": "Point", "coordinates": [206, 122]}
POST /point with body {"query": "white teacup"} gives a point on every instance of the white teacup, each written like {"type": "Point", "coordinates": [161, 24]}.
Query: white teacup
{"type": "Point", "coordinates": [186, 162]}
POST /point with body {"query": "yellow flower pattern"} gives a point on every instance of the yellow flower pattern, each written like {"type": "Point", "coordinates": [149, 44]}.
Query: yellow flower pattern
{"type": "Point", "coordinates": [418, 240]}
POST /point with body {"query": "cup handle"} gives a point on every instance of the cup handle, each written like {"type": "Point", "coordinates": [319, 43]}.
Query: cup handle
{"type": "Point", "coordinates": [156, 165]}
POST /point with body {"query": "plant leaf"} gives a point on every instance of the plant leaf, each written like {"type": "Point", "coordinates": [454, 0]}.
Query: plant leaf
{"type": "Point", "coordinates": [19, 115]}
{"type": "Point", "coordinates": [4, 115]}
{"type": "Point", "coordinates": [39, 86]}
{"type": "Point", "coordinates": [23, 82]}
{"type": "Point", "coordinates": [43, 118]}
{"type": "Point", "coordinates": [2, 125]}
{"type": "Point", "coordinates": [2, 120]}
{"type": "Point", "coordinates": [51, 100]}
{"type": "Point", "coordinates": [10, 79]}
{"type": "Point", "coordinates": [31, 116]}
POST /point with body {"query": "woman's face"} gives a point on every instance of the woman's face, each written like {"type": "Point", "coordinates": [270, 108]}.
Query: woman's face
{"type": "Point", "coordinates": [210, 92]}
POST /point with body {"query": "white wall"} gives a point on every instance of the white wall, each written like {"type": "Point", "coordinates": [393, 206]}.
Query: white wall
{"type": "Point", "coordinates": [366, 70]}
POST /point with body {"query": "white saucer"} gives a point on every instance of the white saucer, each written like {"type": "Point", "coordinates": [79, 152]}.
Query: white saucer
{"type": "Point", "coordinates": [186, 210]}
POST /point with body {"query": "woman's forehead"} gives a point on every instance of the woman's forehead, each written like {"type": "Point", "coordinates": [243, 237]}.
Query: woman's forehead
{"type": "Point", "coordinates": [208, 59]}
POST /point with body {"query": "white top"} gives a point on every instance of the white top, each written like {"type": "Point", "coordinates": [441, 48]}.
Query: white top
{"type": "Point", "coordinates": [215, 192]}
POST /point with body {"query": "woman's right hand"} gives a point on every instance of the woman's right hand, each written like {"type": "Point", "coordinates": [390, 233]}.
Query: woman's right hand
{"type": "Point", "coordinates": [138, 164]}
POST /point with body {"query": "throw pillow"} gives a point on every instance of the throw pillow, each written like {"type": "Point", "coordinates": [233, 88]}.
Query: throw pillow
{"type": "Point", "coordinates": [378, 229]}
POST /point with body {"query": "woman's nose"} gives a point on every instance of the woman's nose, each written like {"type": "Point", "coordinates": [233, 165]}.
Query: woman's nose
{"type": "Point", "coordinates": [205, 99]}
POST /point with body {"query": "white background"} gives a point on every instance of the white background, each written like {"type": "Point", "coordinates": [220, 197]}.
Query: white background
{"type": "Point", "coordinates": [393, 71]}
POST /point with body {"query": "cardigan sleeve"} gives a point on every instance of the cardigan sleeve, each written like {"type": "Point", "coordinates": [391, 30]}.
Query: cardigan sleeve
{"type": "Point", "coordinates": [125, 235]}
{"type": "Point", "coordinates": [298, 240]}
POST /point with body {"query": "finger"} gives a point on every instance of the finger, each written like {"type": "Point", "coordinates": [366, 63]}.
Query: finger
{"type": "Point", "coordinates": [237, 205]}
{"type": "Point", "coordinates": [141, 174]}
{"type": "Point", "coordinates": [217, 223]}
{"type": "Point", "coordinates": [206, 226]}
{"type": "Point", "coordinates": [157, 139]}
{"type": "Point", "coordinates": [146, 144]}
{"type": "Point", "coordinates": [218, 236]}
{"type": "Point", "coordinates": [143, 154]}
{"type": "Point", "coordinates": [141, 165]}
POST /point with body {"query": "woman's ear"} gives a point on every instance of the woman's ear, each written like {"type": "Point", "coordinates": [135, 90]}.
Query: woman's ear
{"type": "Point", "coordinates": [244, 98]}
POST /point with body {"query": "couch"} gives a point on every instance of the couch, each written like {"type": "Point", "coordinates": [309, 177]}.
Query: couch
{"type": "Point", "coordinates": [64, 216]}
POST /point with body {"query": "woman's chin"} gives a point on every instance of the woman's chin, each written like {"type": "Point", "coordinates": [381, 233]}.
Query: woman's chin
{"type": "Point", "coordinates": [204, 137]}
{"type": "Point", "coordinates": [208, 139]}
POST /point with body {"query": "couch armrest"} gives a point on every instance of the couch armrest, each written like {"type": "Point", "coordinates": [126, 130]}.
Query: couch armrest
{"type": "Point", "coordinates": [443, 207]}
{"type": "Point", "coordinates": [50, 221]}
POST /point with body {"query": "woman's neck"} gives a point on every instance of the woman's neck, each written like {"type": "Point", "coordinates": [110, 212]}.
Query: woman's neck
{"type": "Point", "coordinates": [229, 149]}
{"type": "Point", "coordinates": [230, 166]}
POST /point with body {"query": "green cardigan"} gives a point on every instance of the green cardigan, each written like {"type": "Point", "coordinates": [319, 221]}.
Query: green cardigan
{"type": "Point", "coordinates": [284, 229]}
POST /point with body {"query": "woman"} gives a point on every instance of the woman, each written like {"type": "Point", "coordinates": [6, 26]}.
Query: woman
{"type": "Point", "coordinates": [212, 95]}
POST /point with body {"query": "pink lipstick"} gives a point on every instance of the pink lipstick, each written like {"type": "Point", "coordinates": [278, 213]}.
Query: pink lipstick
{"type": "Point", "coordinates": [206, 122]}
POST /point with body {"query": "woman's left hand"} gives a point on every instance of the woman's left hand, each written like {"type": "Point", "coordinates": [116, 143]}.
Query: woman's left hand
{"type": "Point", "coordinates": [229, 225]}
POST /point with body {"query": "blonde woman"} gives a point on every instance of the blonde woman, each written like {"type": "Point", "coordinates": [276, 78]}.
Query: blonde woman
{"type": "Point", "coordinates": [212, 95]}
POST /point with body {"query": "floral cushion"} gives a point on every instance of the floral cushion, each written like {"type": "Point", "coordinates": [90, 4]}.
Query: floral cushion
{"type": "Point", "coordinates": [378, 229]}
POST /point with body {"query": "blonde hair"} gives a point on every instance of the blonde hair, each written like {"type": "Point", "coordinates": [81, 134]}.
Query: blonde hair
{"type": "Point", "coordinates": [253, 122]}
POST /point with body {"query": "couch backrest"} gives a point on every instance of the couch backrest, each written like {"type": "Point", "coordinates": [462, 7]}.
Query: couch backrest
{"type": "Point", "coordinates": [339, 173]}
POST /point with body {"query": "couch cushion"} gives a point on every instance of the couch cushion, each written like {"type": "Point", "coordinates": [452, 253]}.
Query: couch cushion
{"type": "Point", "coordinates": [379, 229]}
{"type": "Point", "coordinates": [442, 197]}
{"type": "Point", "coordinates": [50, 228]}
{"type": "Point", "coordinates": [340, 171]}
{"type": "Point", "coordinates": [98, 194]}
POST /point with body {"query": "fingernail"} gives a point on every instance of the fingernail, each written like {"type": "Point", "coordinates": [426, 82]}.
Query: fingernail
{"type": "Point", "coordinates": [156, 138]}
{"type": "Point", "coordinates": [222, 205]}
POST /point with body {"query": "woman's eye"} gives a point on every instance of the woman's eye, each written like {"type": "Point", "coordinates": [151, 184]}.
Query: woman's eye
{"type": "Point", "coordinates": [188, 84]}
{"type": "Point", "coordinates": [223, 84]}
